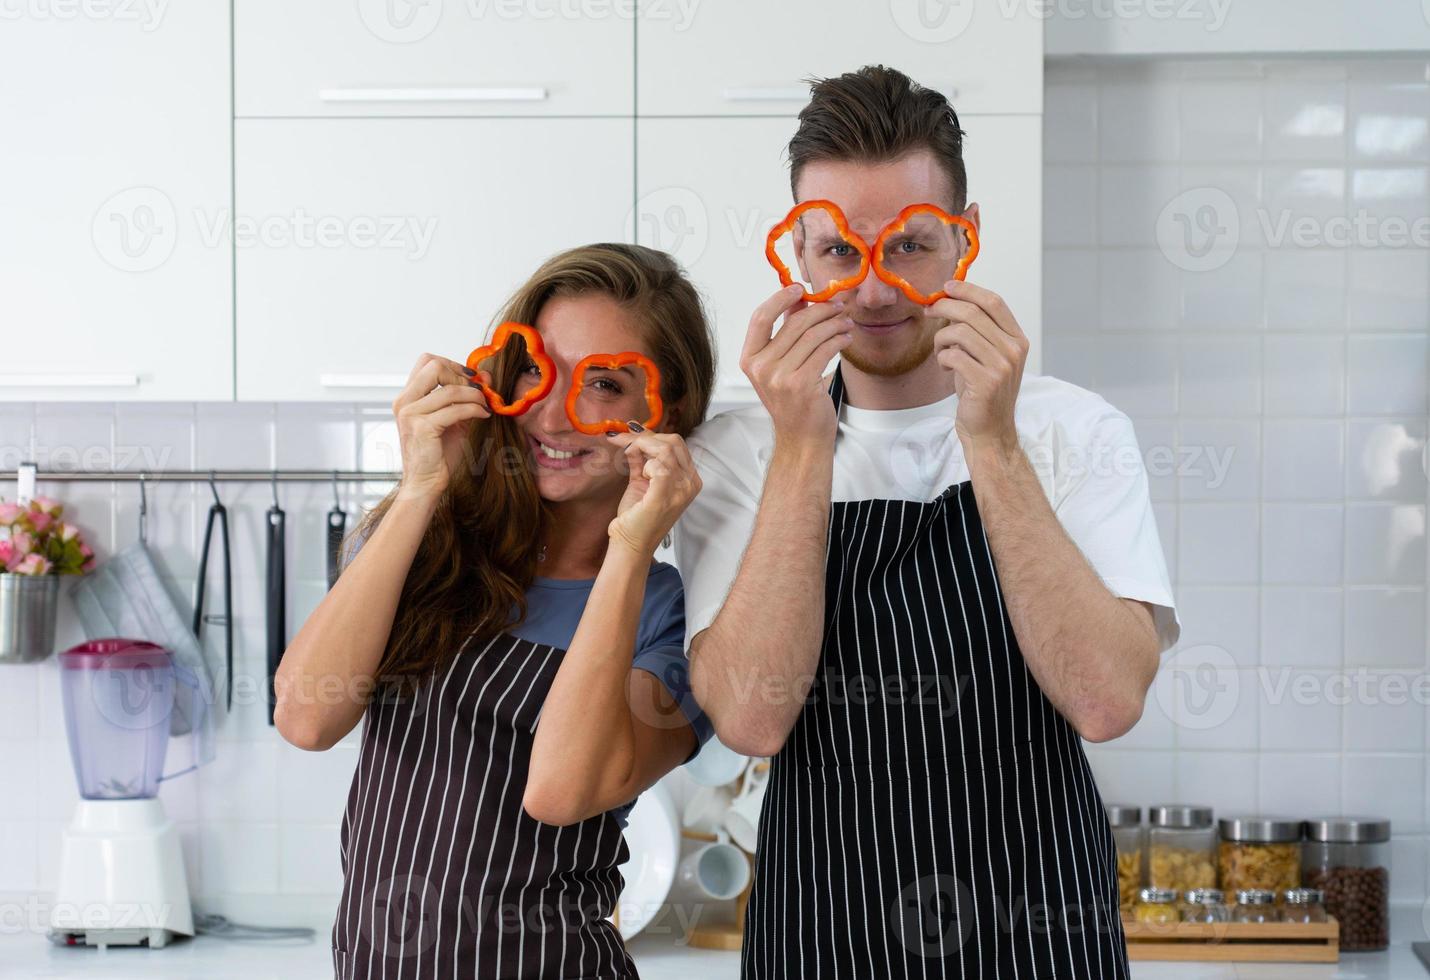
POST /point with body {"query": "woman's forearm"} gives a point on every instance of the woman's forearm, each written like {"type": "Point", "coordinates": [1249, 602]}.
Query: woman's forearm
{"type": "Point", "coordinates": [584, 754]}
{"type": "Point", "coordinates": [328, 670]}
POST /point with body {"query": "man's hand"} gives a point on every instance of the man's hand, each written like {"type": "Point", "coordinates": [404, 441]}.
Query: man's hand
{"type": "Point", "coordinates": [787, 369]}
{"type": "Point", "coordinates": [983, 344]}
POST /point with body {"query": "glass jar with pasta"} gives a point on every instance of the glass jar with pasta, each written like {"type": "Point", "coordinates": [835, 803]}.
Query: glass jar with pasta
{"type": "Point", "coordinates": [1259, 853]}
{"type": "Point", "coordinates": [1181, 847]}
{"type": "Point", "coordinates": [1126, 824]}
{"type": "Point", "coordinates": [1156, 906]}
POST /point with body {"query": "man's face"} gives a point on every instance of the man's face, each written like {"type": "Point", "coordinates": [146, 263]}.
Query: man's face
{"type": "Point", "coordinates": [892, 335]}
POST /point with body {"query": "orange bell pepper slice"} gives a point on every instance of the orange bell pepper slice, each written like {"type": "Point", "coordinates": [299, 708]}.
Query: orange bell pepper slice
{"type": "Point", "coordinates": [897, 225]}
{"type": "Point", "coordinates": [842, 224]}
{"type": "Point", "coordinates": [611, 362]}
{"type": "Point", "coordinates": [535, 348]}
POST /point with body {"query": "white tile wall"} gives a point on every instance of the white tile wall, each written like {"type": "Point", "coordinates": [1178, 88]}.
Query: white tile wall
{"type": "Point", "coordinates": [1176, 286]}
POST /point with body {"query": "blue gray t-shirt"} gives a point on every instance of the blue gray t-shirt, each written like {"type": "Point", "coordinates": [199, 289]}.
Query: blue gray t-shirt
{"type": "Point", "coordinates": [554, 608]}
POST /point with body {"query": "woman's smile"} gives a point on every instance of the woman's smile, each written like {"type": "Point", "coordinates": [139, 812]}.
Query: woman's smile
{"type": "Point", "coordinates": [553, 457]}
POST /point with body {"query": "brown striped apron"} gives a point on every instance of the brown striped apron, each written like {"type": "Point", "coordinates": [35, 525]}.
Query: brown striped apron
{"type": "Point", "coordinates": [931, 814]}
{"type": "Point", "coordinates": [444, 874]}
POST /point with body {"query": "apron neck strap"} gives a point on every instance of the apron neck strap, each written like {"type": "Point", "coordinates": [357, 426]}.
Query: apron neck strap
{"type": "Point", "coordinates": [836, 388]}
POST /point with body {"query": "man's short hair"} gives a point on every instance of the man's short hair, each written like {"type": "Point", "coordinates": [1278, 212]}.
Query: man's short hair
{"type": "Point", "coordinates": [875, 115]}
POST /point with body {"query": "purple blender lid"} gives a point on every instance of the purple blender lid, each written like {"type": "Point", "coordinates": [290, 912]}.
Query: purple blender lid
{"type": "Point", "coordinates": [114, 652]}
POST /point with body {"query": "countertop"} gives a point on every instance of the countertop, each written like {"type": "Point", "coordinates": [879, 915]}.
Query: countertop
{"type": "Point", "coordinates": [30, 955]}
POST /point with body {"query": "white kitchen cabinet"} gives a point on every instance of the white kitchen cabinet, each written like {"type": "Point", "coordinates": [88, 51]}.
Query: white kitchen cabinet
{"type": "Point", "coordinates": [114, 176]}
{"type": "Point", "coordinates": [366, 242]}
{"type": "Point", "coordinates": [428, 58]}
{"type": "Point", "coordinates": [747, 57]}
{"type": "Point", "coordinates": [713, 208]}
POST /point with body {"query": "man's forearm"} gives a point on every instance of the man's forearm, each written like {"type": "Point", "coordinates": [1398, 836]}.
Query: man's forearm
{"type": "Point", "coordinates": [752, 667]}
{"type": "Point", "coordinates": [1086, 649]}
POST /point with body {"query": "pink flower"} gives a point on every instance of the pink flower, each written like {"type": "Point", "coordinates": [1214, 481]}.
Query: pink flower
{"type": "Point", "coordinates": [68, 531]}
{"type": "Point", "coordinates": [7, 553]}
{"type": "Point", "coordinates": [49, 505]}
{"type": "Point", "coordinates": [32, 564]}
{"type": "Point", "coordinates": [41, 521]}
{"type": "Point", "coordinates": [21, 542]}
{"type": "Point", "coordinates": [9, 513]}
{"type": "Point", "coordinates": [86, 550]}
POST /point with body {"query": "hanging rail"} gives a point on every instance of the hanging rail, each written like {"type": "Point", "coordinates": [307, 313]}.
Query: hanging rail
{"type": "Point", "coordinates": [204, 476]}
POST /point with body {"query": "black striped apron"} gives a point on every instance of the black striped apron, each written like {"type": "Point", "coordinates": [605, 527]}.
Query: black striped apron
{"type": "Point", "coordinates": [931, 814]}
{"type": "Point", "coordinates": [444, 874]}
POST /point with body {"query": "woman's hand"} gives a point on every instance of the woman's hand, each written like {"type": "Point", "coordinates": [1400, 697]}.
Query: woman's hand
{"type": "Point", "coordinates": [663, 482]}
{"type": "Point", "coordinates": [434, 414]}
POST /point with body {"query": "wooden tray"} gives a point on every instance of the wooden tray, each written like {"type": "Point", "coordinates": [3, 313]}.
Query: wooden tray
{"type": "Point", "coordinates": [1267, 942]}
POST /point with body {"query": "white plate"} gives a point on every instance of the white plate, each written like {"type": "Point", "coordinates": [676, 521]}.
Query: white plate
{"type": "Point", "coordinates": [653, 837]}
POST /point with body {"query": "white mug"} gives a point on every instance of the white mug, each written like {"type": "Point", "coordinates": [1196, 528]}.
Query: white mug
{"type": "Point", "coordinates": [705, 810]}
{"type": "Point", "coordinates": [715, 765]}
{"type": "Point", "coordinates": [715, 870]}
{"type": "Point", "coordinates": [742, 819]}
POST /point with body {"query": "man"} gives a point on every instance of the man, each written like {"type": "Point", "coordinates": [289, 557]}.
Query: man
{"type": "Point", "coordinates": [917, 584]}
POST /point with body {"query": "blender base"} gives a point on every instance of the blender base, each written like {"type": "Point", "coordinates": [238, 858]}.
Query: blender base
{"type": "Point", "coordinates": [121, 879]}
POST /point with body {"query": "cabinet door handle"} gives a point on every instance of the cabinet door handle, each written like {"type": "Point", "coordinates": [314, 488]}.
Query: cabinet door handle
{"type": "Point", "coordinates": [470, 94]}
{"type": "Point", "coordinates": [68, 380]}
{"type": "Point", "coordinates": [766, 93]}
{"type": "Point", "coordinates": [362, 380]}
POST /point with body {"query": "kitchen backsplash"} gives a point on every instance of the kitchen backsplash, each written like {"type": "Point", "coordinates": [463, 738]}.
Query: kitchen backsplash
{"type": "Point", "coordinates": [1237, 254]}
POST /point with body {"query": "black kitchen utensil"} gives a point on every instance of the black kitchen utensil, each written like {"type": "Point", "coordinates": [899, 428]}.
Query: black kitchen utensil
{"type": "Point", "coordinates": [277, 628]}
{"type": "Point", "coordinates": [337, 522]}
{"type": "Point", "coordinates": [218, 514]}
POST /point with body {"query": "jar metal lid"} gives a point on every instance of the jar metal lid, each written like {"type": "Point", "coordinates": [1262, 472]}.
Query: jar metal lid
{"type": "Point", "coordinates": [1260, 830]}
{"type": "Point", "coordinates": [1181, 816]}
{"type": "Point", "coordinates": [1124, 815]}
{"type": "Point", "coordinates": [1255, 896]}
{"type": "Point", "coordinates": [1204, 896]}
{"type": "Point", "coordinates": [1349, 830]}
{"type": "Point", "coordinates": [1304, 896]}
{"type": "Point", "coordinates": [1157, 896]}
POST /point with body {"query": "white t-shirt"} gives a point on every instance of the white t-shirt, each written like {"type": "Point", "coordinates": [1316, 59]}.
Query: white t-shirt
{"type": "Point", "coordinates": [1084, 451]}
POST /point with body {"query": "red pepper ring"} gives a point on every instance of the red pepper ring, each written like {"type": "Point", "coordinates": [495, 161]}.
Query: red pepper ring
{"type": "Point", "coordinates": [842, 224]}
{"type": "Point", "coordinates": [611, 362]}
{"type": "Point", "coordinates": [535, 348]}
{"type": "Point", "coordinates": [897, 225]}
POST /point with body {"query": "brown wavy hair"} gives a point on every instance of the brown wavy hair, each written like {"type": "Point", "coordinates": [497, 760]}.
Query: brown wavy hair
{"type": "Point", "coordinates": [478, 555]}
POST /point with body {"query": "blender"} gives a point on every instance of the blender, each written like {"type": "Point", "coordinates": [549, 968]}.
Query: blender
{"type": "Point", "coordinates": [122, 879]}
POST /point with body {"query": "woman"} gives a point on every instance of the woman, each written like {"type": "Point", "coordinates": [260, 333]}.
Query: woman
{"type": "Point", "coordinates": [516, 652]}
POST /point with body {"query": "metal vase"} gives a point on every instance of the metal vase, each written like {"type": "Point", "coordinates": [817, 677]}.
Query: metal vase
{"type": "Point", "coordinates": [28, 607]}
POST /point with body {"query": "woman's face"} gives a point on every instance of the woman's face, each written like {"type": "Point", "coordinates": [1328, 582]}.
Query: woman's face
{"type": "Point", "coordinates": [571, 328]}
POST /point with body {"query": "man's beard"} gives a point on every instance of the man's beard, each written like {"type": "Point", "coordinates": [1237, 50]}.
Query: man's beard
{"type": "Point", "coordinates": [912, 357]}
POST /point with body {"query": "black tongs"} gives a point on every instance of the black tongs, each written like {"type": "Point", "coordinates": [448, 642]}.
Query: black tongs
{"type": "Point", "coordinates": [217, 513]}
